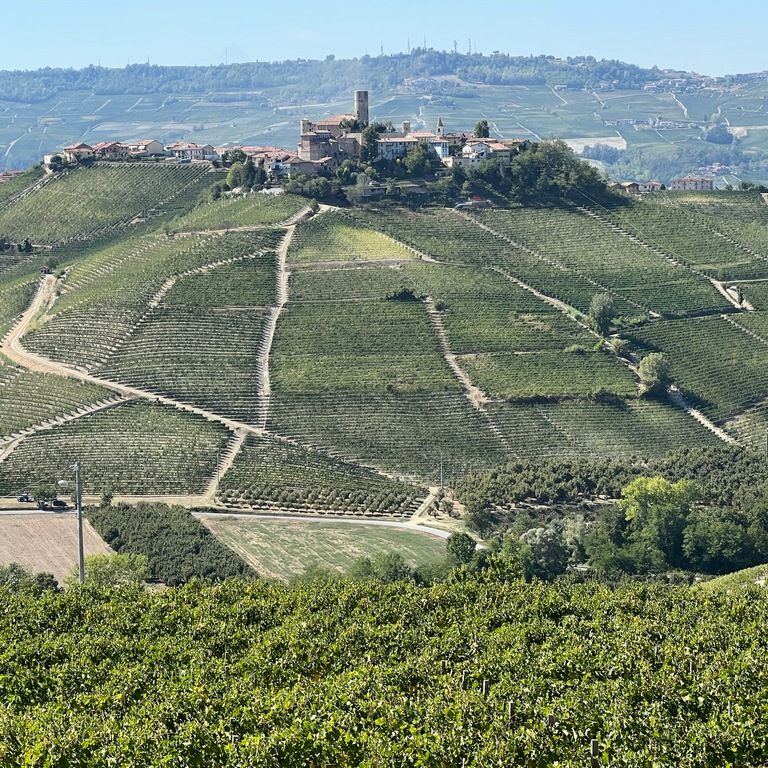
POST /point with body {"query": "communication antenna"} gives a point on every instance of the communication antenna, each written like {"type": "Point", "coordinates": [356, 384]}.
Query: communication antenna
{"type": "Point", "coordinates": [470, 46]}
{"type": "Point", "coordinates": [455, 46]}
{"type": "Point", "coordinates": [409, 46]}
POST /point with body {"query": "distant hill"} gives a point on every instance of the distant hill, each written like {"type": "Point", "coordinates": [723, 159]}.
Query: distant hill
{"type": "Point", "coordinates": [640, 123]}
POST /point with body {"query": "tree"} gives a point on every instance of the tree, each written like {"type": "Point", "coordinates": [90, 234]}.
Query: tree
{"type": "Point", "coordinates": [112, 570]}
{"type": "Point", "coordinates": [655, 375]}
{"type": "Point", "coordinates": [712, 543]}
{"type": "Point", "coordinates": [236, 175]}
{"type": "Point", "coordinates": [46, 494]}
{"type": "Point", "coordinates": [544, 553]}
{"type": "Point", "coordinates": [369, 148]}
{"type": "Point", "coordinates": [19, 581]}
{"type": "Point", "coordinates": [460, 548]}
{"type": "Point", "coordinates": [420, 159]}
{"type": "Point", "coordinates": [657, 511]}
{"type": "Point", "coordinates": [235, 156]}
{"type": "Point", "coordinates": [601, 313]}
{"type": "Point", "coordinates": [482, 130]}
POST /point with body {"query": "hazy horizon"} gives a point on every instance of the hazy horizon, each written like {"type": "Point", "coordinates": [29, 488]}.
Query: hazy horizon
{"type": "Point", "coordinates": [195, 33]}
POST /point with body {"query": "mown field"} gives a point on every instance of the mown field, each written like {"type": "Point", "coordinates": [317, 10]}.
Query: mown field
{"type": "Point", "coordinates": [282, 549]}
{"type": "Point", "coordinates": [378, 347]}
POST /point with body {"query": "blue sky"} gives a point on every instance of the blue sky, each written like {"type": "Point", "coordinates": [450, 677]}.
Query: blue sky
{"type": "Point", "coordinates": [706, 36]}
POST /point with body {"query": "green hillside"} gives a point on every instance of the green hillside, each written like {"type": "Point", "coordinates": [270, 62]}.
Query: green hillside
{"type": "Point", "coordinates": [345, 363]}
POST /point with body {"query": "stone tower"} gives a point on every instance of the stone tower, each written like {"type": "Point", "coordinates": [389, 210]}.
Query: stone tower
{"type": "Point", "coordinates": [361, 106]}
{"type": "Point", "coordinates": [440, 127]}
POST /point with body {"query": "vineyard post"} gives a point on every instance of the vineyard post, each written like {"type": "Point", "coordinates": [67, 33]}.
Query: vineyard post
{"type": "Point", "coordinates": [594, 753]}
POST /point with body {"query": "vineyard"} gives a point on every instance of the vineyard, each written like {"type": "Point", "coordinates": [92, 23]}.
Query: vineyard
{"type": "Point", "coordinates": [367, 349]}
{"type": "Point", "coordinates": [272, 475]}
{"type": "Point", "coordinates": [477, 672]}
{"type": "Point", "coordinates": [586, 246]}
{"type": "Point", "coordinates": [252, 211]}
{"type": "Point", "coordinates": [705, 242]}
{"type": "Point", "coordinates": [334, 237]}
{"type": "Point", "coordinates": [87, 200]}
{"type": "Point", "coordinates": [134, 448]}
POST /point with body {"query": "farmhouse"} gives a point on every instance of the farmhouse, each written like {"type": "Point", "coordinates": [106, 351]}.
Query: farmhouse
{"type": "Point", "coordinates": [147, 148]}
{"type": "Point", "coordinates": [111, 150]}
{"type": "Point", "coordinates": [75, 152]}
{"type": "Point", "coordinates": [186, 150]}
{"type": "Point", "coordinates": [695, 183]}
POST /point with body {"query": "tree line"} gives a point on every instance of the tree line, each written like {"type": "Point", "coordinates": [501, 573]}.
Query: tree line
{"type": "Point", "coordinates": [301, 79]}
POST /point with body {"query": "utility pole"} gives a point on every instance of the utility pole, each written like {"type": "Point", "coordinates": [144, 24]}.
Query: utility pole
{"type": "Point", "coordinates": [441, 470]}
{"type": "Point", "coordinates": [79, 507]}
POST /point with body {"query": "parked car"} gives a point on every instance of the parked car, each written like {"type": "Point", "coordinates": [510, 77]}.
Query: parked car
{"type": "Point", "coordinates": [24, 497]}
{"type": "Point", "coordinates": [58, 503]}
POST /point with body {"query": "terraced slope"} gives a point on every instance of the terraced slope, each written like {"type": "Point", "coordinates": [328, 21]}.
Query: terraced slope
{"type": "Point", "coordinates": [86, 200]}
{"type": "Point", "coordinates": [251, 211]}
{"type": "Point", "coordinates": [135, 448]}
{"type": "Point", "coordinates": [364, 350]}
{"type": "Point", "coordinates": [274, 475]}
{"type": "Point", "coordinates": [112, 291]}
{"type": "Point", "coordinates": [587, 247]}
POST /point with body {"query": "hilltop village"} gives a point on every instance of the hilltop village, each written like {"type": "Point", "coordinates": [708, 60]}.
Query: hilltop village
{"type": "Point", "coordinates": [327, 143]}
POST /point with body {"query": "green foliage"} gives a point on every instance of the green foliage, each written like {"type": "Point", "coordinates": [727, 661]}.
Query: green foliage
{"type": "Point", "coordinates": [460, 548]}
{"type": "Point", "coordinates": [728, 476]}
{"type": "Point", "coordinates": [421, 159]}
{"type": "Point", "coordinates": [353, 674]}
{"type": "Point", "coordinates": [368, 145]}
{"type": "Point", "coordinates": [105, 571]}
{"type": "Point", "coordinates": [18, 581]}
{"type": "Point", "coordinates": [169, 540]}
{"type": "Point", "coordinates": [482, 131]}
{"type": "Point", "coordinates": [600, 313]}
{"type": "Point", "coordinates": [657, 510]}
{"type": "Point", "coordinates": [655, 374]}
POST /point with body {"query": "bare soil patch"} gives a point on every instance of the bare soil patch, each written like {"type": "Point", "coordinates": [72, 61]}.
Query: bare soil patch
{"type": "Point", "coordinates": [46, 542]}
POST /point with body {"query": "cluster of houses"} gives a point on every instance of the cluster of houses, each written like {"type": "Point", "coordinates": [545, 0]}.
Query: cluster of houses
{"type": "Point", "coordinates": [140, 150]}
{"type": "Point", "coordinates": [690, 183]}
{"type": "Point", "coordinates": [323, 145]}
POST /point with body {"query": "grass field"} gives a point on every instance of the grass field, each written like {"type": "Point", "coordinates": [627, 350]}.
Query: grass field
{"type": "Point", "coordinates": [46, 542]}
{"type": "Point", "coordinates": [280, 549]}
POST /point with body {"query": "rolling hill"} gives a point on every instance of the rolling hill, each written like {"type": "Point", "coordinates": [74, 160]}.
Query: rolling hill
{"type": "Point", "coordinates": [347, 362]}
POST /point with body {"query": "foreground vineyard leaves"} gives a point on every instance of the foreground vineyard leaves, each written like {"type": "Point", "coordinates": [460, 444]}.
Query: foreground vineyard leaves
{"type": "Point", "coordinates": [350, 674]}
